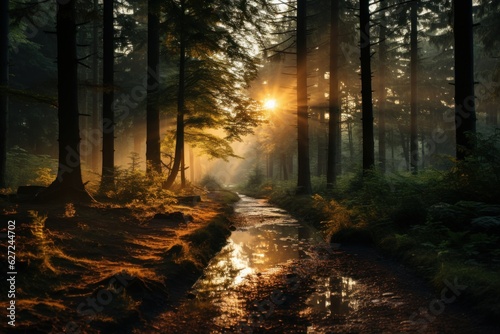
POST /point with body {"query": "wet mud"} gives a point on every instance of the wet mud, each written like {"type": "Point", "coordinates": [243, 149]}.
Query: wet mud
{"type": "Point", "coordinates": [277, 275]}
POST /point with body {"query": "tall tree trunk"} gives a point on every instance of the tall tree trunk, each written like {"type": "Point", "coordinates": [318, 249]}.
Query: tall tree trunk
{"type": "Point", "coordinates": [320, 134]}
{"type": "Point", "coordinates": [304, 173]}
{"type": "Point", "coordinates": [284, 166]}
{"type": "Point", "coordinates": [191, 165]}
{"type": "Point", "coordinates": [270, 166]}
{"type": "Point", "coordinates": [179, 136]}
{"type": "Point", "coordinates": [334, 145]}
{"type": "Point", "coordinates": [465, 111]}
{"type": "Point", "coordinates": [153, 154]}
{"type": "Point", "coordinates": [413, 87]}
{"type": "Point", "coordinates": [95, 96]}
{"type": "Point", "coordinates": [183, 170]}
{"type": "Point", "coordinates": [108, 124]}
{"type": "Point", "coordinates": [4, 81]}
{"type": "Point", "coordinates": [491, 113]}
{"type": "Point", "coordinates": [350, 137]}
{"type": "Point", "coordinates": [382, 52]}
{"type": "Point", "coordinates": [404, 145]}
{"type": "Point", "coordinates": [422, 140]}
{"type": "Point", "coordinates": [366, 87]}
{"type": "Point", "coordinates": [68, 183]}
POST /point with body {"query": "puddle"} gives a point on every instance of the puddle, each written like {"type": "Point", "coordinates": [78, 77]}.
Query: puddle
{"type": "Point", "coordinates": [333, 296]}
{"type": "Point", "coordinates": [267, 237]}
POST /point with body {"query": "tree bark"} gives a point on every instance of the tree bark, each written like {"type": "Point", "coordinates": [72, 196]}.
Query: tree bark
{"type": "Point", "coordinates": [284, 166]}
{"type": "Point", "coordinates": [179, 136]}
{"type": "Point", "coordinates": [322, 149]}
{"type": "Point", "coordinates": [68, 183]}
{"type": "Point", "coordinates": [153, 153]}
{"type": "Point", "coordinates": [366, 88]}
{"type": "Point", "coordinates": [382, 52]}
{"type": "Point", "coordinates": [413, 87]}
{"type": "Point", "coordinates": [108, 124]}
{"type": "Point", "coordinates": [334, 145]}
{"type": "Point", "coordinates": [95, 96]}
{"type": "Point", "coordinates": [465, 111]}
{"type": "Point", "coordinates": [4, 82]}
{"type": "Point", "coordinates": [304, 173]}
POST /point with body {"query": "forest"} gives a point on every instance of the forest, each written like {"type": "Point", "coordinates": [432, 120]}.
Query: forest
{"type": "Point", "coordinates": [248, 166]}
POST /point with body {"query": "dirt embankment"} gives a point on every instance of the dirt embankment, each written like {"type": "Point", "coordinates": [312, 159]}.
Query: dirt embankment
{"type": "Point", "coordinates": [105, 268]}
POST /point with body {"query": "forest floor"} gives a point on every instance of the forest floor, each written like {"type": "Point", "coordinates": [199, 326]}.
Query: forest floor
{"type": "Point", "coordinates": [100, 267]}
{"type": "Point", "coordinates": [328, 288]}
{"type": "Point", "coordinates": [375, 295]}
{"type": "Point", "coordinates": [109, 269]}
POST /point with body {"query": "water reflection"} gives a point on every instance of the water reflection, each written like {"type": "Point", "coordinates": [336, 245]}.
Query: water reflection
{"type": "Point", "coordinates": [253, 250]}
{"type": "Point", "coordinates": [266, 238]}
{"type": "Point", "coordinates": [333, 296]}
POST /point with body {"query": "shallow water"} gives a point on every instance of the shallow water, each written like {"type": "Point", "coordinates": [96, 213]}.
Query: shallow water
{"type": "Point", "coordinates": [267, 238]}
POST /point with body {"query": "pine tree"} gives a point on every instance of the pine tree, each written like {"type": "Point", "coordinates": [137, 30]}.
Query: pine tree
{"type": "Point", "coordinates": [108, 126]}
{"type": "Point", "coordinates": [366, 87]}
{"type": "Point", "coordinates": [153, 153]}
{"type": "Point", "coordinates": [334, 100]}
{"type": "Point", "coordinates": [465, 112]}
{"type": "Point", "coordinates": [304, 174]}
{"type": "Point", "coordinates": [68, 183]}
{"type": "Point", "coordinates": [4, 81]}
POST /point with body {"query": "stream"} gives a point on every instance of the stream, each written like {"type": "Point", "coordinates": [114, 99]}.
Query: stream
{"type": "Point", "coordinates": [266, 240]}
{"type": "Point", "coordinates": [277, 275]}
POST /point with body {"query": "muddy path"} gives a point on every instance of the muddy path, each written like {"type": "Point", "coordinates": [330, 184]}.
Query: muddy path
{"type": "Point", "coordinates": [276, 275]}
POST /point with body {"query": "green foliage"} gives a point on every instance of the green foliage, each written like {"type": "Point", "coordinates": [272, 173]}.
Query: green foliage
{"type": "Point", "coordinates": [256, 178]}
{"type": "Point", "coordinates": [339, 217]}
{"type": "Point", "coordinates": [477, 178]}
{"type": "Point", "coordinates": [210, 182]}
{"type": "Point", "coordinates": [136, 189]}
{"type": "Point", "coordinates": [45, 176]}
{"type": "Point", "coordinates": [24, 168]}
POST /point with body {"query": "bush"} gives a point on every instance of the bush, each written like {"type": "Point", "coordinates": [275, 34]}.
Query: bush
{"type": "Point", "coordinates": [210, 183]}
{"type": "Point", "coordinates": [22, 166]}
{"type": "Point", "coordinates": [256, 178]}
{"type": "Point", "coordinates": [136, 189]}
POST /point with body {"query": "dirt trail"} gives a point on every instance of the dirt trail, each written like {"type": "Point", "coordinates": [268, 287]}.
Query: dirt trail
{"type": "Point", "coordinates": [345, 289]}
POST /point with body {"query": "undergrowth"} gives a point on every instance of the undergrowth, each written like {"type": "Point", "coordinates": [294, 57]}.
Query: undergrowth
{"type": "Point", "coordinates": [445, 224]}
{"type": "Point", "coordinates": [137, 190]}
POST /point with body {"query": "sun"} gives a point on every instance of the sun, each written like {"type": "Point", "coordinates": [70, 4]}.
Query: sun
{"type": "Point", "coordinates": [270, 104]}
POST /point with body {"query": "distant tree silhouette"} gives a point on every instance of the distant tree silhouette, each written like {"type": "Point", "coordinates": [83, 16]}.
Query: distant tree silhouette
{"type": "Point", "coordinates": [465, 110]}
{"type": "Point", "coordinates": [413, 86]}
{"type": "Point", "coordinates": [179, 135]}
{"type": "Point", "coordinates": [303, 168]}
{"type": "Point", "coordinates": [108, 126]}
{"type": "Point", "coordinates": [4, 81]}
{"type": "Point", "coordinates": [334, 136]}
{"type": "Point", "coordinates": [382, 92]}
{"type": "Point", "coordinates": [366, 87]}
{"type": "Point", "coordinates": [153, 153]}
